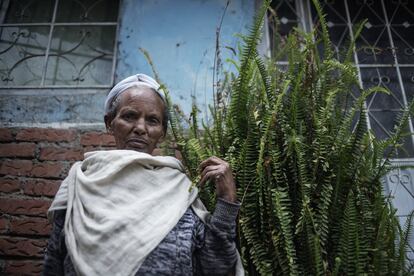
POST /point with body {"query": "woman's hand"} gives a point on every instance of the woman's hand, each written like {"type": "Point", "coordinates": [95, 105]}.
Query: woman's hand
{"type": "Point", "coordinates": [219, 171]}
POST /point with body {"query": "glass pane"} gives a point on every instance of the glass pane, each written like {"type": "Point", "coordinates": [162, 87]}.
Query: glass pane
{"type": "Point", "coordinates": [339, 35]}
{"type": "Point", "coordinates": [401, 15]}
{"type": "Point", "coordinates": [400, 11]}
{"type": "Point", "coordinates": [373, 45]}
{"type": "Point", "coordinates": [385, 77]}
{"type": "Point", "coordinates": [81, 56]}
{"type": "Point", "coordinates": [22, 51]}
{"type": "Point", "coordinates": [282, 20]}
{"type": "Point", "coordinates": [29, 11]}
{"type": "Point", "coordinates": [404, 43]}
{"type": "Point", "coordinates": [335, 12]}
{"type": "Point", "coordinates": [407, 74]}
{"type": "Point", "coordinates": [366, 9]}
{"type": "Point", "coordinates": [285, 9]}
{"type": "Point", "coordinates": [383, 123]}
{"type": "Point", "coordinates": [87, 10]}
{"type": "Point", "coordinates": [336, 20]}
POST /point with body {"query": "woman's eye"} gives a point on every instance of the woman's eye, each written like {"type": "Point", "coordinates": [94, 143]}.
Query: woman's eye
{"type": "Point", "coordinates": [154, 120]}
{"type": "Point", "coordinates": [128, 116]}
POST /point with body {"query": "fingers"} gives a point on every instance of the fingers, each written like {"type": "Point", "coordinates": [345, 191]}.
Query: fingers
{"type": "Point", "coordinates": [211, 161]}
{"type": "Point", "coordinates": [210, 168]}
{"type": "Point", "coordinates": [219, 171]}
{"type": "Point", "coordinates": [210, 174]}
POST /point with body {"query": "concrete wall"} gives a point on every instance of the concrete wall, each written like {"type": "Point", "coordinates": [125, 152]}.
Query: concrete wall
{"type": "Point", "coordinates": [37, 107]}
{"type": "Point", "coordinates": [179, 35]}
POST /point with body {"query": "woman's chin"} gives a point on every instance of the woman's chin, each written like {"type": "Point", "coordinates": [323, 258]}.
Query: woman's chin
{"type": "Point", "coordinates": [139, 149]}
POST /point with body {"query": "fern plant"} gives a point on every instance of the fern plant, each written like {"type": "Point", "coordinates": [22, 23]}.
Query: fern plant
{"type": "Point", "coordinates": [308, 169]}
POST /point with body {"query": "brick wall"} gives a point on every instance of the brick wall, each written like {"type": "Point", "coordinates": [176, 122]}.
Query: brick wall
{"type": "Point", "coordinates": [33, 161]}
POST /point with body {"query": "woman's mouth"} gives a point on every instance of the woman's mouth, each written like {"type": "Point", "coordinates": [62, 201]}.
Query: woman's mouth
{"type": "Point", "coordinates": [137, 143]}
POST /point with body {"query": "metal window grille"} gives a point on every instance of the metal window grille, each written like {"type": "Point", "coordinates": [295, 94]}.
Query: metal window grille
{"type": "Point", "coordinates": [58, 43]}
{"type": "Point", "coordinates": [384, 55]}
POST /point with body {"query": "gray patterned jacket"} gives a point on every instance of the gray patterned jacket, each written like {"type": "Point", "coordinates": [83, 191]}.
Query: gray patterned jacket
{"type": "Point", "coordinates": [190, 248]}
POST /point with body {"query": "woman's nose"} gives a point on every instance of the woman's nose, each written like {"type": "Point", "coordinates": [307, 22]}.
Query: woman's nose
{"type": "Point", "coordinates": [140, 127]}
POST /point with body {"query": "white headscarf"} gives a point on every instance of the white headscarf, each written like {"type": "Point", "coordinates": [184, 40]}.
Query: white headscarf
{"type": "Point", "coordinates": [131, 81]}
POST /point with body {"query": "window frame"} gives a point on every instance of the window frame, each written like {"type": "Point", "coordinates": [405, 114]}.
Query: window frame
{"type": "Point", "coordinates": [400, 178]}
{"type": "Point", "coordinates": [52, 24]}
{"type": "Point", "coordinates": [305, 18]}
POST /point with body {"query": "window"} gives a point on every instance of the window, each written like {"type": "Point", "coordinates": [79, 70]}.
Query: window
{"type": "Point", "coordinates": [57, 43]}
{"type": "Point", "coordinates": [384, 55]}
{"type": "Point", "coordinates": [384, 51]}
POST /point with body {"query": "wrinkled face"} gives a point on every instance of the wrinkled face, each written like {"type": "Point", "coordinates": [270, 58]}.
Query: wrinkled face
{"type": "Point", "coordinates": [138, 123]}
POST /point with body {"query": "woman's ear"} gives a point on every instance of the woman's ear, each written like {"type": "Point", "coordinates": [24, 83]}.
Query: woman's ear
{"type": "Point", "coordinates": [108, 124]}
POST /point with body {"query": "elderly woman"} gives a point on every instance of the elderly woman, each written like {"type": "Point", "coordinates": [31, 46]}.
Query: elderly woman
{"type": "Point", "coordinates": [126, 212]}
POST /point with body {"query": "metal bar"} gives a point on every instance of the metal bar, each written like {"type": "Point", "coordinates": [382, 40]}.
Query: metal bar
{"type": "Point", "coordinates": [351, 32]}
{"type": "Point", "coordinates": [301, 14]}
{"type": "Point", "coordinates": [385, 109]}
{"type": "Point", "coordinates": [384, 65]}
{"type": "Point", "coordinates": [4, 6]}
{"type": "Point", "coordinates": [404, 97]}
{"type": "Point", "coordinates": [55, 125]}
{"type": "Point", "coordinates": [115, 51]}
{"type": "Point", "coordinates": [54, 86]}
{"type": "Point", "coordinates": [265, 43]}
{"type": "Point", "coordinates": [401, 160]}
{"type": "Point", "coordinates": [49, 42]}
{"type": "Point", "coordinates": [59, 24]}
{"type": "Point", "coordinates": [309, 13]}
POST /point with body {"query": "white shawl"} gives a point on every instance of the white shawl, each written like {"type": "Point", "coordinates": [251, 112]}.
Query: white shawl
{"type": "Point", "coordinates": [120, 205]}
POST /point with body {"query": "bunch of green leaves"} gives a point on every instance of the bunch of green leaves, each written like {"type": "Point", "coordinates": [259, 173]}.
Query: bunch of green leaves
{"type": "Point", "coordinates": [307, 168]}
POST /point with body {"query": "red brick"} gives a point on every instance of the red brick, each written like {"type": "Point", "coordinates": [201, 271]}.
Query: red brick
{"type": "Point", "coordinates": [22, 267]}
{"type": "Point", "coordinates": [17, 150]}
{"type": "Point", "coordinates": [30, 226]}
{"type": "Point", "coordinates": [90, 148]}
{"type": "Point", "coordinates": [30, 207]}
{"type": "Point", "coordinates": [21, 247]}
{"type": "Point", "coordinates": [16, 167]}
{"type": "Point", "coordinates": [4, 225]}
{"type": "Point", "coordinates": [51, 153]}
{"type": "Point", "coordinates": [6, 135]}
{"type": "Point", "coordinates": [47, 170]}
{"type": "Point", "coordinates": [97, 139]}
{"type": "Point", "coordinates": [27, 168]}
{"type": "Point", "coordinates": [41, 187]}
{"type": "Point", "coordinates": [46, 134]}
{"type": "Point", "coordinates": [8, 185]}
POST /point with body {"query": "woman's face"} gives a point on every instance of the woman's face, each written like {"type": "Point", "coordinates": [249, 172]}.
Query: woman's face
{"type": "Point", "coordinates": [138, 123]}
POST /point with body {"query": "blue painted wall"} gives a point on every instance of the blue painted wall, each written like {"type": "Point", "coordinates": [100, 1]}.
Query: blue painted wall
{"type": "Point", "coordinates": [180, 37]}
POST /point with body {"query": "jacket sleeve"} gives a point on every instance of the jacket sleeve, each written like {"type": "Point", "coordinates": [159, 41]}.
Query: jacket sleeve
{"type": "Point", "coordinates": [216, 252]}
{"type": "Point", "coordinates": [56, 249]}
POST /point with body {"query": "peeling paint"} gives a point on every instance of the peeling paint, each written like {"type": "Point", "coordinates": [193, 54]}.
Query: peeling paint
{"type": "Point", "coordinates": [180, 37]}
{"type": "Point", "coordinates": [84, 108]}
